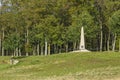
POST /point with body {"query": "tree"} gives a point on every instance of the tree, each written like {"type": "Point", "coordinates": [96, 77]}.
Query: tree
{"type": "Point", "coordinates": [114, 23]}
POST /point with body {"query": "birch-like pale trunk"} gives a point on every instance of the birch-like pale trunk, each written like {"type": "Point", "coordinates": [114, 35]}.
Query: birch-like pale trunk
{"type": "Point", "coordinates": [7, 52]}
{"type": "Point", "coordinates": [105, 41]}
{"type": "Point", "coordinates": [114, 42]}
{"type": "Point", "coordinates": [2, 41]}
{"type": "Point", "coordinates": [119, 45]}
{"type": "Point", "coordinates": [60, 49]}
{"type": "Point", "coordinates": [14, 52]}
{"type": "Point", "coordinates": [19, 50]}
{"type": "Point", "coordinates": [34, 49]}
{"type": "Point", "coordinates": [46, 47]}
{"type": "Point", "coordinates": [0, 45]}
{"type": "Point", "coordinates": [38, 49]}
{"type": "Point", "coordinates": [74, 46]}
{"type": "Point", "coordinates": [66, 46]}
{"type": "Point", "coordinates": [101, 37]}
{"type": "Point", "coordinates": [55, 48]}
{"type": "Point", "coordinates": [27, 41]}
{"type": "Point", "coordinates": [42, 50]}
{"type": "Point", "coordinates": [108, 42]}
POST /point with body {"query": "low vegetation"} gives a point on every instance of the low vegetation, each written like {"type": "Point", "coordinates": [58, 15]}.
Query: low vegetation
{"type": "Point", "coordinates": [68, 66]}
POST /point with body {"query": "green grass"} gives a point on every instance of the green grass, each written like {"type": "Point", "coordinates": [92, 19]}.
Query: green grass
{"type": "Point", "coordinates": [75, 66]}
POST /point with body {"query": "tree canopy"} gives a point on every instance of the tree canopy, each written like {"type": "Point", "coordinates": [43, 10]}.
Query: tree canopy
{"type": "Point", "coordinates": [43, 27]}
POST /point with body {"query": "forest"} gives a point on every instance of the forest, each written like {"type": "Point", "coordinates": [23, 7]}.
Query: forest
{"type": "Point", "coordinates": [44, 27]}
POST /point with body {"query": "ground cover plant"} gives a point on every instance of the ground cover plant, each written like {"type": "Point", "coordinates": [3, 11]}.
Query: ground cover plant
{"type": "Point", "coordinates": [65, 66]}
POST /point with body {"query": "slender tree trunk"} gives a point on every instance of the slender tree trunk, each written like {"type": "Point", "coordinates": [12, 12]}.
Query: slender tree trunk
{"type": "Point", "coordinates": [114, 42]}
{"type": "Point", "coordinates": [26, 53]}
{"type": "Point", "coordinates": [74, 46]}
{"type": "Point", "coordinates": [59, 49]}
{"type": "Point", "coordinates": [119, 45]}
{"type": "Point", "coordinates": [78, 45]}
{"type": "Point", "coordinates": [34, 50]}
{"type": "Point", "coordinates": [105, 41]}
{"type": "Point", "coordinates": [2, 41]}
{"type": "Point", "coordinates": [27, 41]}
{"type": "Point", "coordinates": [46, 47]}
{"type": "Point", "coordinates": [38, 49]}
{"type": "Point", "coordinates": [2, 51]}
{"type": "Point", "coordinates": [7, 52]}
{"type": "Point", "coordinates": [98, 43]}
{"type": "Point", "coordinates": [101, 40]}
{"type": "Point", "coordinates": [19, 52]}
{"type": "Point", "coordinates": [108, 42]}
{"type": "Point", "coordinates": [0, 45]}
{"type": "Point", "coordinates": [66, 46]}
{"type": "Point", "coordinates": [14, 52]}
{"type": "Point", "coordinates": [41, 50]}
{"type": "Point", "coordinates": [92, 44]}
{"type": "Point", "coordinates": [55, 48]}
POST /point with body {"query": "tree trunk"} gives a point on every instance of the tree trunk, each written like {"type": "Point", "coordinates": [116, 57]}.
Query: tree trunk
{"type": "Point", "coordinates": [2, 51]}
{"type": "Point", "coordinates": [66, 46]}
{"type": "Point", "coordinates": [20, 52]}
{"type": "Point", "coordinates": [46, 49]}
{"type": "Point", "coordinates": [7, 53]}
{"type": "Point", "coordinates": [2, 41]}
{"type": "Point", "coordinates": [26, 53]}
{"type": "Point", "coordinates": [27, 41]}
{"type": "Point", "coordinates": [41, 50]}
{"type": "Point", "coordinates": [101, 40]}
{"type": "Point", "coordinates": [114, 42]}
{"type": "Point", "coordinates": [38, 49]}
{"type": "Point", "coordinates": [0, 45]}
{"type": "Point", "coordinates": [119, 45]}
{"type": "Point", "coordinates": [34, 50]}
{"type": "Point", "coordinates": [108, 42]}
{"type": "Point", "coordinates": [92, 44]}
{"type": "Point", "coordinates": [14, 52]}
{"type": "Point", "coordinates": [17, 52]}
{"type": "Point", "coordinates": [105, 45]}
{"type": "Point", "coordinates": [98, 43]}
{"type": "Point", "coordinates": [59, 49]}
{"type": "Point", "coordinates": [78, 45]}
{"type": "Point", "coordinates": [55, 48]}
{"type": "Point", "coordinates": [49, 49]}
{"type": "Point", "coordinates": [74, 46]}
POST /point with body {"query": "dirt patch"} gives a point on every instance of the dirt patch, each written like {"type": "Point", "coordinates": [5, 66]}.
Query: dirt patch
{"type": "Point", "coordinates": [4, 62]}
{"type": "Point", "coordinates": [58, 62]}
{"type": "Point", "coordinates": [113, 79]}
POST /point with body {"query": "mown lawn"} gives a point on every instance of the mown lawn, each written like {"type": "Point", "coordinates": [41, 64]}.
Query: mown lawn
{"type": "Point", "coordinates": [65, 66]}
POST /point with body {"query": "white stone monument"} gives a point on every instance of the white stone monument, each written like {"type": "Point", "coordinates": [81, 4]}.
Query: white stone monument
{"type": "Point", "coordinates": [82, 42]}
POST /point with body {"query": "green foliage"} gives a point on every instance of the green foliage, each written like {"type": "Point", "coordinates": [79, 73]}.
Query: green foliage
{"type": "Point", "coordinates": [114, 22]}
{"type": "Point", "coordinates": [59, 22]}
{"type": "Point", "coordinates": [11, 42]}
{"type": "Point", "coordinates": [28, 48]}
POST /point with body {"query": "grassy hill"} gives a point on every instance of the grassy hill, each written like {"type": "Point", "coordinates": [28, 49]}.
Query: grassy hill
{"type": "Point", "coordinates": [66, 66]}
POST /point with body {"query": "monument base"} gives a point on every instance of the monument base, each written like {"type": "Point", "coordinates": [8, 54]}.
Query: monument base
{"type": "Point", "coordinates": [83, 50]}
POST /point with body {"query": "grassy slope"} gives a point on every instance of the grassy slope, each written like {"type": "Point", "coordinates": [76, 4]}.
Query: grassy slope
{"type": "Point", "coordinates": [73, 65]}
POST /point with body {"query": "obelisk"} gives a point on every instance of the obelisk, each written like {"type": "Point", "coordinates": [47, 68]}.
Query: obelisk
{"type": "Point", "coordinates": [82, 40]}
